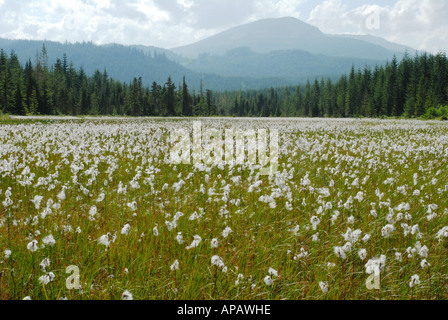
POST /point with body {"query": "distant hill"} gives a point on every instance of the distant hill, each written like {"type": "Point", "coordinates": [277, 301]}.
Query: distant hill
{"type": "Point", "coordinates": [265, 53]}
{"type": "Point", "coordinates": [293, 65]}
{"type": "Point", "coordinates": [121, 62]}
{"type": "Point", "coordinates": [395, 47]}
{"type": "Point", "coordinates": [265, 36]}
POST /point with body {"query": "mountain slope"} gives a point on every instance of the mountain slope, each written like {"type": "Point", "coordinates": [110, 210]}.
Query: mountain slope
{"type": "Point", "coordinates": [293, 65]}
{"type": "Point", "coordinates": [121, 62]}
{"type": "Point", "coordinates": [395, 47]}
{"type": "Point", "coordinates": [269, 35]}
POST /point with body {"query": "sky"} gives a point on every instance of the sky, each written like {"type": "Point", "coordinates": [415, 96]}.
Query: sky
{"type": "Point", "coordinates": [420, 24]}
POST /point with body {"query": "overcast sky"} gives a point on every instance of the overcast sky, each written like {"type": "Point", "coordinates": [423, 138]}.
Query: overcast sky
{"type": "Point", "coordinates": [421, 24]}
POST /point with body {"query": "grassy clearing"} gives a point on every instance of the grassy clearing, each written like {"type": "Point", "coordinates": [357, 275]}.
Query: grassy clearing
{"type": "Point", "coordinates": [343, 186]}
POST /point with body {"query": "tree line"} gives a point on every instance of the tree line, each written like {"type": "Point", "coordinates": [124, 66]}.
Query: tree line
{"type": "Point", "coordinates": [60, 89]}
{"type": "Point", "coordinates": [413, 87]}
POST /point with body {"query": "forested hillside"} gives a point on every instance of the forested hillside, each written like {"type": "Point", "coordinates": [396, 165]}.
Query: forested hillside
{"type": "Point", "coordinates": [413, 87]}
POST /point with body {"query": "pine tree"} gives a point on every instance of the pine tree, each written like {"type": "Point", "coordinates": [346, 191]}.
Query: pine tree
{"type": "Point", "coordinates": [170, 97]}
{"type": "Point", "coordinates": [186, 101]}
{"type": "Point", "coordinates": [420, 100]}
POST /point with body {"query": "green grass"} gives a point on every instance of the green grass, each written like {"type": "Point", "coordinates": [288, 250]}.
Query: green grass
{"type": "Point", "coordinates": [261, 238]}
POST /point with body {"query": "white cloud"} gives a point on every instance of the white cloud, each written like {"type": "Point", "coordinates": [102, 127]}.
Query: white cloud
{"type": "Point", "coordinates": [421, 24]}
{"type": "Point", "coordinates": [416, 23]}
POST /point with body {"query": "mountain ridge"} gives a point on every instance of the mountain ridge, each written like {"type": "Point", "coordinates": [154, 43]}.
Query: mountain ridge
{"type": "Point", "coordinates": [271, 58]}
{"type": "Point", "coordinates": [287, 33]}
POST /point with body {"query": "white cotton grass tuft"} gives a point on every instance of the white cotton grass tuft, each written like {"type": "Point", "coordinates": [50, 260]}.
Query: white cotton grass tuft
{"type": "Point", "coordinates": [217, 261]}
{"type": "Point", "coordinates": [47, 278]}
{"type": "Point", "coordinates": [339, 251]}
{"type": "Point", "coordinates": [314, 222]}
{"type": "Point", "coordinates": [214, 243]}
{"type": "Point", "coordinates": [196, 240]}
{"type": "Point", "coordinates": [268, 281]}
{"type": "Point", "coordinates": [387, 230]}
{"type": "Point", "coordinates": [180, 238]}
{"type": "Point", "coordinates": [125, 230]}
{"type": "Point", "coordinates": [37, 200]}
{"type": "Point", "coordinates": [101, 197]}
{"type": "Point", "coordinates": [272, 272]}
{"type": "Point", "coordinates": [104, 240]}
{"type": "Point", "coordinates": [323, 286]}
{"type": "Point", "coordinates": [424, 264]}
{"type": "Point", "coordinates": [376, 265]}
{"type": "Point", "coordinates": [49, 240]}
{"type": "Point", "coordinates": [175, 265]}
{"type": "Point", "coordinates": [226, 232]}
{"type": "Point", "coordinates": [32, 246]}
{"type": "Point", "coordinates": [44, 264]}
{"type": "Point", "coordinates": [7, 253]}
{"type": "Point", "coordinates": [415, 280]}
{"type": "Point", "coordinates": [362, 254]}
{"type": "Point", "coordinates": [132, 206]}
{"type": "Point", "coordinates": [127, 296]}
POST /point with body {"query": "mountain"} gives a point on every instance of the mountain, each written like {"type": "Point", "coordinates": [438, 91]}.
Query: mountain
{"type": "Point", "coordinates": [267, 35]}
{"type": "Point", "coordinates": [122, 63]}
{"type": "Point", "coordinates": [292, 65]}
{"type": "Point", "coordinates": [265, 53]}
{"type": "Point", "coordinates": [395, 47]}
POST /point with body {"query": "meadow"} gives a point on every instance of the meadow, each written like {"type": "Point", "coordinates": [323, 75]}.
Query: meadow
{"type": "Point", "coordinates": [358, 209]}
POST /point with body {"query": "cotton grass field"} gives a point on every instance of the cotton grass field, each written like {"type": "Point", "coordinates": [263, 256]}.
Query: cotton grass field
{"type": "Point", "coordinates": [357, 210]}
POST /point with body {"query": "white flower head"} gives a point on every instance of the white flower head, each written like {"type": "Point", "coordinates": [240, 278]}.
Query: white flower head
{"type": "Point", "coordinates": [44, 264]}
{"type": "Point", "coordinates": [339, 251]}
{"type": "Point", "coordinates": [362, 254]}
{"type": "Point", "coordinates": [45, 279]}
{"type": "Point", "coordinates": [133, 206]}
{"type": "Point", "coordinates": [351, 220]}
{"type": "Point", "coordinates": [217, 261]}
{"type": "Point", "coordinates": [323, 286]}
{"type": "Point", "coordinates": [226, 232]}
{"type": "Point", "coordinates": [196, 240]}
{"type": "Point", "coordinates": [214, 243]}
{"type": "Point", "coordinates": [180, 238]}
{"type": "Point", "coordinates": [126, 295]}
{"type": "Point", "coordinates": [7, 253]}
{"type": "Point", "coordinates": [424, 263]}
{"type": "Point", "coordinates": [268, 281]}
{"type": "Point", "coordinates": [32, 246]}
{"type": "Point", "coordinates": [175, 265]}
{"type": "Point", "coordinates": [273, 272]}
{"type": "Point", "coordinates": [93, 211]}
{"type": "Point", "coordinates": [49, 240]}
{"type": "Point", "coordinates": [104, 240]}
{"type": "Point", "coordinates": [37, 200]}
{"type": "Point", "coordinates": [125, 230]}
{"type": "Point", "coordinates": [387, 230]}
{"type": "Point", "coordinates": [314, 222]}
{"type": "Point", "coordinates": [415, 280]}
{"type": "Point", "coordinates": [423, 252]}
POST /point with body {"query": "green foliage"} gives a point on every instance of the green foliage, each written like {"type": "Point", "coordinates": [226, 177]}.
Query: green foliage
{"type": "Point", "coordinates": [440, 112]}
{"type": "Point", "coordinates": [409, 88]}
